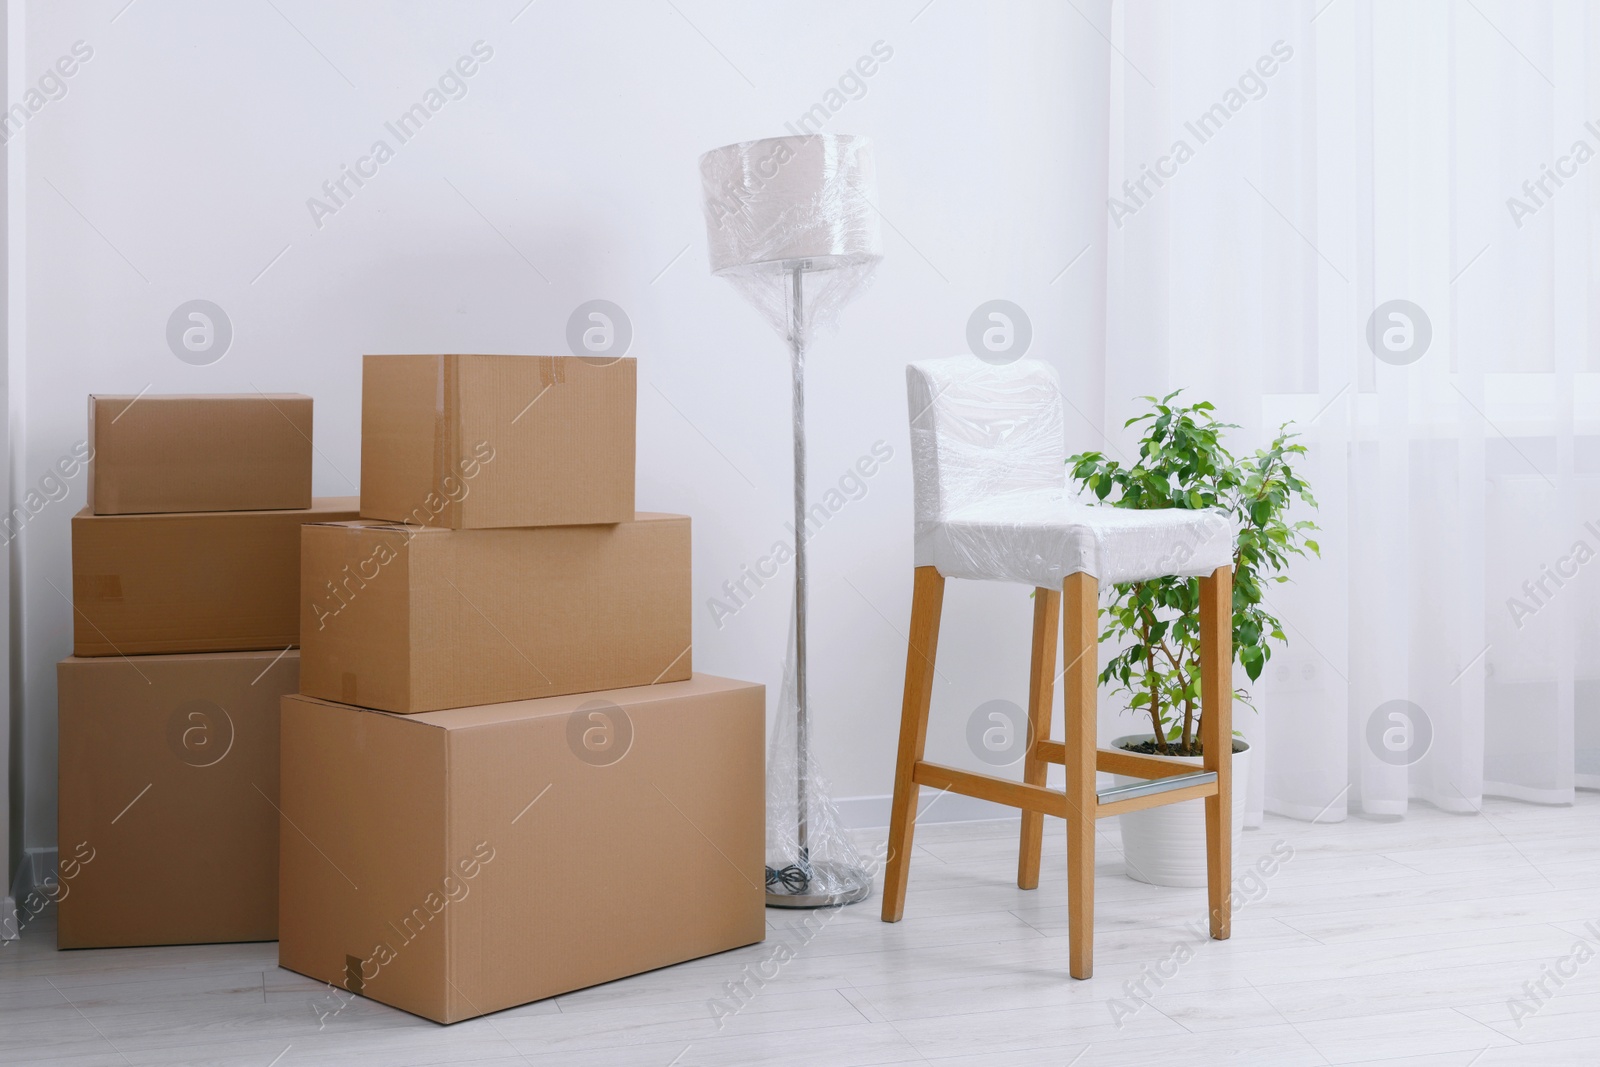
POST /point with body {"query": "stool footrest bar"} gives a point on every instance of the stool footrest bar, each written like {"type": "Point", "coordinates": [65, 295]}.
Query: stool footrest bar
{"type": "Point", "coordinates": [1139, 795]}
{"type": "Point", "coordinates": [999, 790]}
{"type": "Point", "coordinates": [1152, 786]}
{"type": "Point", "coordinates": [1115, 760]}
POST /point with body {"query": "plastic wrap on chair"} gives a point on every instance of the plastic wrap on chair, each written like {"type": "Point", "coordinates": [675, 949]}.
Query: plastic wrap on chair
{"type": "Point", "coordinates": [981, 431]}
{"type": "Point", "coordinates": [988, 456]}
{"type": "Point", "coordinates": [785, 201]}
{"type": "Point", "coordinates": [832, 864]}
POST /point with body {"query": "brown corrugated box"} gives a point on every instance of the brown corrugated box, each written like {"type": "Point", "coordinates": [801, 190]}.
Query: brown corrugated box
{"type": "Point", "coordinates": [471, 442]}
{"type": "Point", "coordinates": [471, 860]}
{"type": "Point", "coordinates": [414, 619]}
{"type": "Point", "coordinates": [226, 452]}
{"type": "Point", "coordinates": [168, 780]}
{"type": "Point", "coordinates": [209, 581]}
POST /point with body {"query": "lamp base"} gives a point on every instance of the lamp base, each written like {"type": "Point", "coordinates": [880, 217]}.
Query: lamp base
{"type": "Point", "coordinates": [855, 883]}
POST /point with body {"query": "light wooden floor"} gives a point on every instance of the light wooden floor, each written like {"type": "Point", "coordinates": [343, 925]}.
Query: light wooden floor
{"type": "Point", "coordinates": [1398, 943]}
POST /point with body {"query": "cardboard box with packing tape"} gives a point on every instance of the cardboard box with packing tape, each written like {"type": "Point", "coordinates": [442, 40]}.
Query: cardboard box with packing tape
{"type": "Point", "coordinates": [210, 581]}
{"type": "Point", "coordinates": [472, 441]}
{"type": "Point", "coordinates": [470, 860]}
{"type": "Point", "coordinates": [420, 618]}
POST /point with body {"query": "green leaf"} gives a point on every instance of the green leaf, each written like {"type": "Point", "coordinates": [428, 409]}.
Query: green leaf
{"type": "Point", "coordinates": [1253, 660]}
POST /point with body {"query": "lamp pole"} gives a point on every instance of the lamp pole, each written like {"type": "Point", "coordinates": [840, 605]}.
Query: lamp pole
{"type": "Point", "coordinates": [797, 349]}
{"type": "Point", "coordinates": [830, 883]}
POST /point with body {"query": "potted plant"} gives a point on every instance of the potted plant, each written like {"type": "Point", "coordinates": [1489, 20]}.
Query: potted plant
{"type": "Point", "coordinates": [1184, 463]}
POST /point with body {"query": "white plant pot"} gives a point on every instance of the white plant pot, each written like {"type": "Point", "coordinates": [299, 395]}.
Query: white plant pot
{"type": "Point", "coordinates": [1167, 845]}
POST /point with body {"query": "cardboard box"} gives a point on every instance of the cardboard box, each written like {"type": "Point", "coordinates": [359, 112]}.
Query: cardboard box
{"type": "Point", "coordinates": [166, 820]}
{"type": "Point", "coordinates": [212, 581]}
{"type": "Point", "coordinates": [471, 442]}
{"type": "Point", "coordinates": [471, 860]}
{"type": "Point", "coordinates": [239, 452]}
{"type": "Point", "coordinates": [420, 618]}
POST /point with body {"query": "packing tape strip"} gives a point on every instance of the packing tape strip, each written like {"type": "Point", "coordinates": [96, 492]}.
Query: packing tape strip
{"type": "Point", "coordinates": [446, 398]}
{"type": "Point", "coordinates": [552, 370]}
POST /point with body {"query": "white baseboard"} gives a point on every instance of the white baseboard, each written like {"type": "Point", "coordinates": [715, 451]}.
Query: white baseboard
{"type": "Point", "coordinates": [21, 886]}
{"type": "Point", "coordinates": [38, 864]}
{"type": "Point", "coordinates": [869, 813]}
{"type": "Point", "coordinates": [23, 880]}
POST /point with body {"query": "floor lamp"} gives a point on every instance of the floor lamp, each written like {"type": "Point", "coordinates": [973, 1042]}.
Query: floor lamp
{"type": "Point", "coordinates": [776, 211]}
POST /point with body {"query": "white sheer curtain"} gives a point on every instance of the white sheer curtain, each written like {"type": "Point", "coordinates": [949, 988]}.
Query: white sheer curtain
{"type": "Point", "coordinates": [1352, 153]}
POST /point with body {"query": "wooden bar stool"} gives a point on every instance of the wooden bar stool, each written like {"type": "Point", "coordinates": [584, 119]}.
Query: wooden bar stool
{"type": "Point", "coordinates": [988, 459]}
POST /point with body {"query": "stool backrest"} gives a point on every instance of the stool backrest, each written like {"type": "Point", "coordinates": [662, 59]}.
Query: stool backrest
{"type": "Point", "coordinates": [979, 430]}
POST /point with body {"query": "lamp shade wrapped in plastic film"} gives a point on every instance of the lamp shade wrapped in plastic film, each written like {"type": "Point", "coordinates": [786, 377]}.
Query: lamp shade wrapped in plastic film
{"type": "Point", "coordinates": [783, 201]}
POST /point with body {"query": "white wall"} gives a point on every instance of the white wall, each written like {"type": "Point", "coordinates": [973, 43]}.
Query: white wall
{"type": "Point", "coordinates": [180, 160]}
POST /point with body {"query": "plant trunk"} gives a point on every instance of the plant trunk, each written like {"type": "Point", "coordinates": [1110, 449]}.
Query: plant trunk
{"type": "Point", "coordinates": [1155, 691]}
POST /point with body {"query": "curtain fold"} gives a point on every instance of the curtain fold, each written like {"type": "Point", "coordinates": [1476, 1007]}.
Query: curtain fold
{"type": "Point", "coordinates": [1376, 220]}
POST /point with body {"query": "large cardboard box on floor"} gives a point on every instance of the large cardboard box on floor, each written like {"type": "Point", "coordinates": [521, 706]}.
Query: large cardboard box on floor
{"type": "Point", "coordinates": [470, 860]}
{"type": "Point", "coordinates": [226, 452]}
{"type": "Point", "coordinates": [470, 442]}
{"type": "Point", "coordinates": [412, 619]}
{"type": "Point", "coordinates": [211, 581]}
{"type": "Point", "coordinates": [167, 818]}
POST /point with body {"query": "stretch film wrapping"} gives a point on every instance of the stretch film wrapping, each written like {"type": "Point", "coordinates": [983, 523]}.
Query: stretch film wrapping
{"type": "Point", "coordinates": [783, 202]}
{"type": "Point", "coordinates": [790, 223]}
{"type": "Point", "coordinates": [988, 452]}
{"type": "Point", "coordinates": [833, 857]}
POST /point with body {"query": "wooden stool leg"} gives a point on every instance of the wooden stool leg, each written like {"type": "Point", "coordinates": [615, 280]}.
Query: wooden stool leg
{"type": "Point", "coordinates": [1041, 686]}
{"type": "Point", "coordinates": [1216, 738]}
{"type": "Point", "coordinates": [1082, 600]}
{"type": "Point", "coordinates": [927, 602]}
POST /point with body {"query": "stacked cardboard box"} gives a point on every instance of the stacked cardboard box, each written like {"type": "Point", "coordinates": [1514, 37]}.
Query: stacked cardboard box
{"type": "Point", "coordinates": [506, 781]}
{"type": "Point", "coordinates": [185, 596]}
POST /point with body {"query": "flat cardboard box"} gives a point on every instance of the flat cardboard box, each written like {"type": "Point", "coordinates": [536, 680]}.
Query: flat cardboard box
{"type": "Point", "coordinates": [213, 581]}
{"type": "Point", "coordinates": [419, 618]}
{"type": "Point", "coordinates": [226, 452]}
{"type": "Point", "coordinates": [472, 860]}
{"type": "Point", "coordinates": [166, 820]}
{"type": "Point", "coordinates": [472, 442]}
